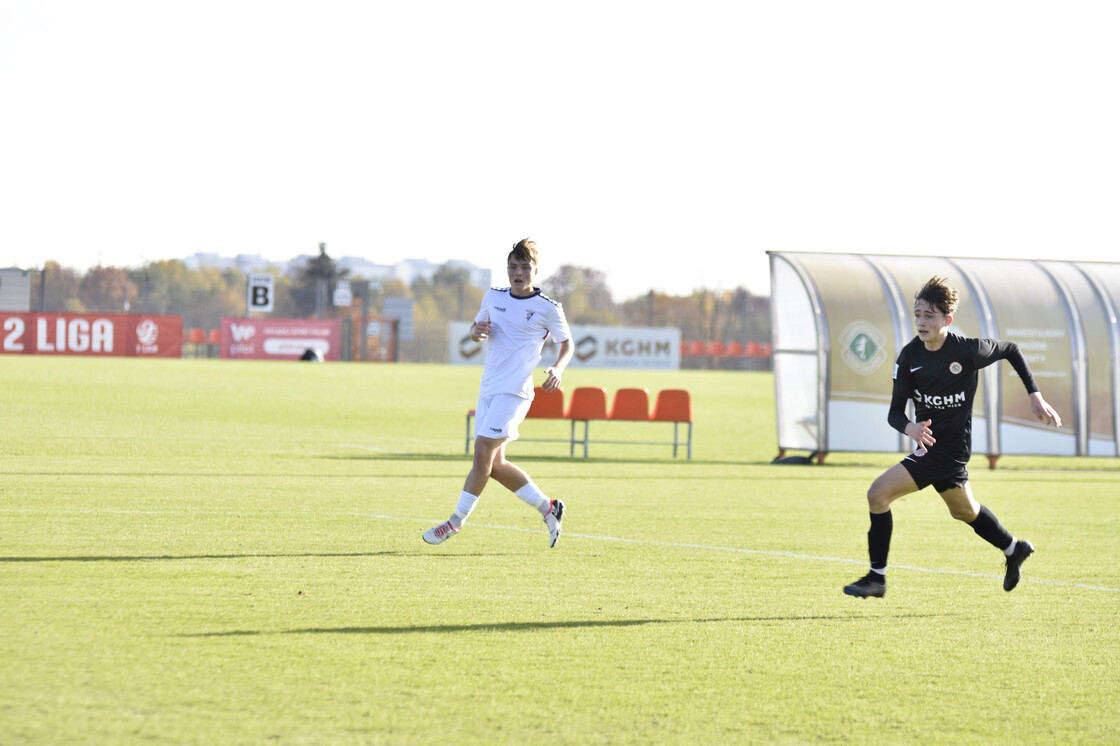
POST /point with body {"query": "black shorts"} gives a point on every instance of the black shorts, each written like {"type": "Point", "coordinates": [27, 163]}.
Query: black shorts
{"type": "Point", "coordinates": [942, 470]}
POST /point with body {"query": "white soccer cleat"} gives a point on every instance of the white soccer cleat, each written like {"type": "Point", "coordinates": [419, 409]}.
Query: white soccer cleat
{"type": "Point", "coordinates": [441, 533]}
{"type": "Point", "coordinates": [553, 520]}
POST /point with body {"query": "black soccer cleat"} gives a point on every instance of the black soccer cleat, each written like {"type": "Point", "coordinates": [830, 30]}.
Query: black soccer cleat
{"type": "Point", "coordinates": [871, 584]}
{"type": "Point", "coordinates": [1023, 549]}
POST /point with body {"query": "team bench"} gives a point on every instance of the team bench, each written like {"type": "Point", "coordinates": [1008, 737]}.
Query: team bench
{"type": "Point", "coordinates": [589, 403]}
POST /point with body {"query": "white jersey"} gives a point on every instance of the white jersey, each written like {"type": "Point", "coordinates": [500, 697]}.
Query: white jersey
{"type": "Point", "coordinates": [518, 330]}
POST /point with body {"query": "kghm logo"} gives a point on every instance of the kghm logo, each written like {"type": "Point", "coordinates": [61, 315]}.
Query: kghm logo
{"type": "Point", "coordinates": [586, 348]}
{"type": "Point", "coordinates": [862, 347]}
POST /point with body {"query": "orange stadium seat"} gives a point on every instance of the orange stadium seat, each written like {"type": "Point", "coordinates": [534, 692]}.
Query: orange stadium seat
{"type": "Point", "coordinates": [547, 404]}
{"type": "Point", "coordinates": [630, 404]}
{"type": "Point", "coordinates": [587, 403]}
{"type": "Point", "coordinates": [672, 405]}
{"type": "Point", "coordinates": [675, 405]}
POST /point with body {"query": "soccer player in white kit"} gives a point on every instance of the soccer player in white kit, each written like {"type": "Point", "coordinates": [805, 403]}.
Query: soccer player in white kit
{"type": "Point", "coordinates": [517, 320]}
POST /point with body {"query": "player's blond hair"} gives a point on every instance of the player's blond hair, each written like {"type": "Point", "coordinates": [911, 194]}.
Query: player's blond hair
{"type": "Point", "coordinates": [939, 295]}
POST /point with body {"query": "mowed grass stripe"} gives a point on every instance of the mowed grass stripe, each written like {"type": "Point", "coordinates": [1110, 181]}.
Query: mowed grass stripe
{"type": "Point", "coordinates": [238, 574]}
{"type": "Point", "coordinates": [566, 536]}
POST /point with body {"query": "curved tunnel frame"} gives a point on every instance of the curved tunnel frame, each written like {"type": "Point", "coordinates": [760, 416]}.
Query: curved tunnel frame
{"type": "Point", "coordinates": [1077, 421]}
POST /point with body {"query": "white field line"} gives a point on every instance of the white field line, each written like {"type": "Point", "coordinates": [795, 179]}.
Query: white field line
{"type": "Point", "coordinates": [567, 535]}
{"type": "Point", "coordinates": [374, 449]}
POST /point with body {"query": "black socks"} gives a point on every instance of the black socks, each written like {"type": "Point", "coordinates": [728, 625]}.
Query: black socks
{"type": "Point", "coordinates": [988, 528]}
{"type": "Point", "coordinates": [879, 539]}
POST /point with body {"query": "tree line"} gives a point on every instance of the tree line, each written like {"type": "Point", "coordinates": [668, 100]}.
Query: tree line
{"type": "Point", "coordinates": [203, 296]}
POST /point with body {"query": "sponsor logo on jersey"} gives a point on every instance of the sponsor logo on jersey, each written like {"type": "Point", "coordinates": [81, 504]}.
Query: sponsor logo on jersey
{"type": "Point", "coordinates": [951, 401]}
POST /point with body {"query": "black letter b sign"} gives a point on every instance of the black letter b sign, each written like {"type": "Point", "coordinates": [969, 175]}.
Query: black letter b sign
{"type": "Point", "coordinates": [260, 293]}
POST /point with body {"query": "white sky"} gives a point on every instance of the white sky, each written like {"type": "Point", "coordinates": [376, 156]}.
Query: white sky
{"type": "Point", "coordinates": [669, 145]}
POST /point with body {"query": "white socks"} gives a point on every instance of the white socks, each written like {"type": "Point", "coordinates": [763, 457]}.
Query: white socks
{"type": "Point", "coordinates": [1011, 548]}
{"type": "Point", "coordinates": [532, 495]}
{"type": "Point", "coordinates": [466, 504]}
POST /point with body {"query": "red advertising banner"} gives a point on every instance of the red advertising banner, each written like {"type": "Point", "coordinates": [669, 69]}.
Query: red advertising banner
{"type": "Point", "coordinates": [108, 335]}
{"type": "Point", "coordinates": [279, 339]}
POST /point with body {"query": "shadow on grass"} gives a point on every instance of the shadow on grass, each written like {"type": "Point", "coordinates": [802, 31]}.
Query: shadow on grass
{"type": "Point", "coordinates": [519, 457]}
{"type": "Point", "coordinates": [173, 557]}
{"type": "Point", "coordinates": [538, 626]}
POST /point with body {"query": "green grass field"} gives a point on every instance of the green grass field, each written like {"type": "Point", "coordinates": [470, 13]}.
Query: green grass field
{"type": "Point", "coordinates": [213, 552]}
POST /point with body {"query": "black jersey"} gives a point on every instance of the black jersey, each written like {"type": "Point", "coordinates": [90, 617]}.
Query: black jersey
{"type": "Point", "coordinates": [942, 385]}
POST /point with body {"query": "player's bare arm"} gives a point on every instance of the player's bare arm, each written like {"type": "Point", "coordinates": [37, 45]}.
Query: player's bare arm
{"type": "Point", "coordinates": [1043, 411]}
{"type": "Point", "coordinates": [563, 357]}
{"type": "Point", "coordinates": [921, 433]}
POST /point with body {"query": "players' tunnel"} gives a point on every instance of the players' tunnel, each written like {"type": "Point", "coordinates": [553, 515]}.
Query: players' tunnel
{"type": "Point", "coordinates": [839, 321]}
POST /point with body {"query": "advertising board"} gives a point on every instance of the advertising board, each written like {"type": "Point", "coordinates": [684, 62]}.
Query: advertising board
{"type": "Point", "coordinates": [108, 335]}
{"type": "Point", "coordinates": [279, 339]}
{"type": "Point", "coordinates": [595, 347]}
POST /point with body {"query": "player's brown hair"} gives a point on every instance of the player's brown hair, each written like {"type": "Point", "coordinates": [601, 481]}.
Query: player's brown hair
{"type": "Point", "coordinates": [938, 294]}
{"type": "Point", "coordinates": [524, 250]}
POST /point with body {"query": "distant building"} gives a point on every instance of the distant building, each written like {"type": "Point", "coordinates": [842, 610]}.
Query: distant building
{"type": "Point", "coordinates": [405, 271]}
{"type": "Point", "coordinates": [365, 269]}
{"type": "Point", "coordinates": [15, 290]}
{"type": "Point", "coordinates": [243, 262]}
{"type": "Point", "coordinates": [479, 277]}
{"type": "Point", "coordinates": [198, 261]}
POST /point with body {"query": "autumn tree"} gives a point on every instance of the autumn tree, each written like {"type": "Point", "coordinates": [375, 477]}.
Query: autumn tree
{"type": "Point", "coordinates": [584, 293]}
{"type": "Point", "coordinates": [728, 316]}
{"type": "Point", "coordinates": [448, 296]}
{"type": "Point", "coordinates": [106, 290]}
{"type": "Point", "coordinates": [60, 292]}
{"type": "Point", "coordinates": [747, 317]}
{"type": "Point", "coordinates": [201, 296]}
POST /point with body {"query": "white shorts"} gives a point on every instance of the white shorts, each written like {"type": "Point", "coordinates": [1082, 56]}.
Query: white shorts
{"type": "Point", "coordinates": [498, 416]}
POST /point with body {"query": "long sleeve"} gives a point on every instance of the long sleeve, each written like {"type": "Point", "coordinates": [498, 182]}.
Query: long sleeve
{"type": "Point", "coordinates": [900, 397]}
{"type": "Point", "coordinates": [991, 350]}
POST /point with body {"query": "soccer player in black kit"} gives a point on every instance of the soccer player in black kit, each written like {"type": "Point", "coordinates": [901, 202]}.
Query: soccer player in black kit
{"type": "Point", "coordinates": [938, 370]}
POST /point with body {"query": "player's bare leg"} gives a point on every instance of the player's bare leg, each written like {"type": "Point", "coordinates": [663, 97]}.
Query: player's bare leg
{"type": "Point", "coordinates": [514, 479]}
{"type": "Point", "coordinates": [486, 450]}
